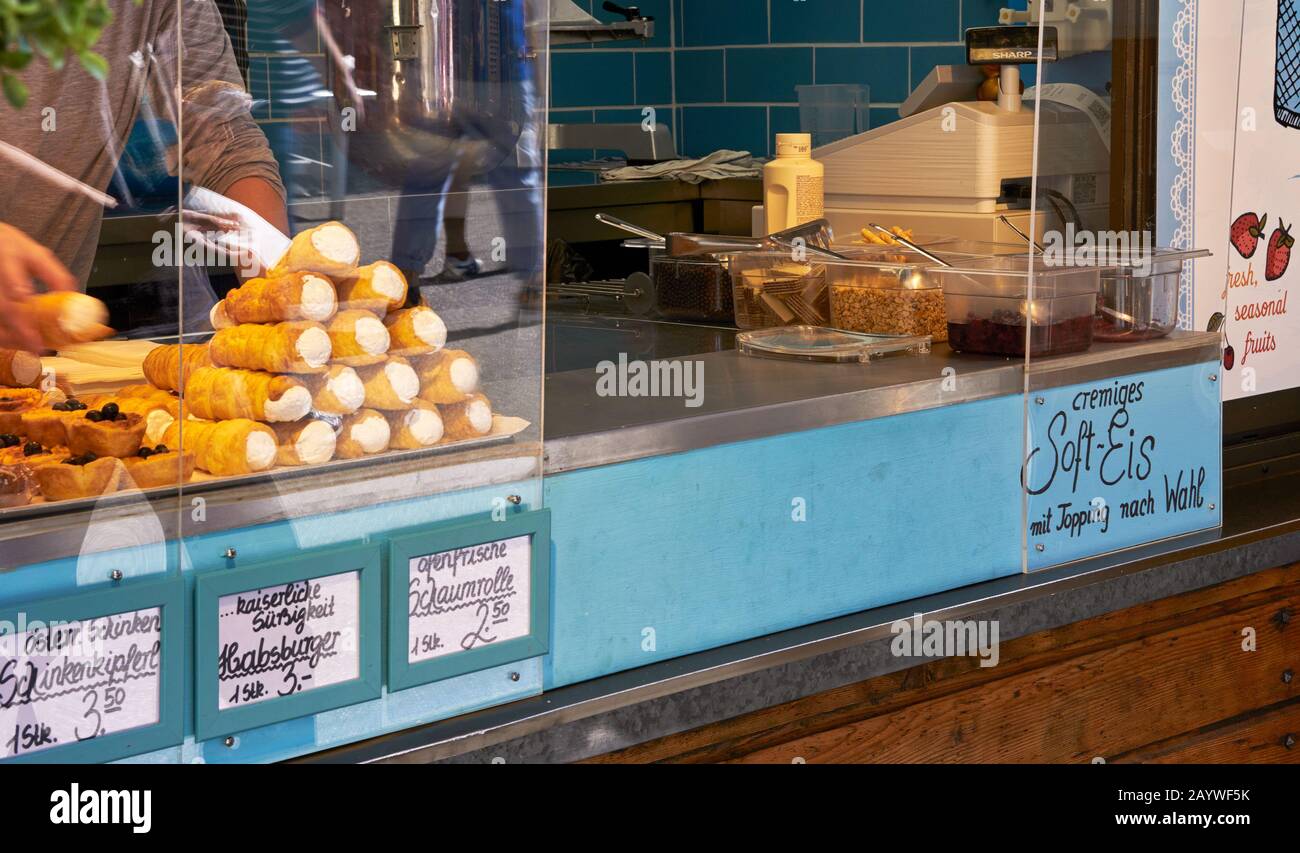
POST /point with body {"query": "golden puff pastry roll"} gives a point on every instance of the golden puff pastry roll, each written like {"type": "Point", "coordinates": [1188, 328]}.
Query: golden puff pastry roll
{"type": "Point", "coordinates": [308, 442]}
{"type": "Point", "coordinates": [167, 366]}
{"type": "Point", "coordinates": [447, 376]}
{"type": "Point", "coordinates": [338, 391]}
{"type": "Point", "coordinates": [364, 434]}
{"type": "Point", "coordinates": [391, 386]}
{"type": "Point", "coordinates": [416, 331]}
{"type": "Point", "coordinates": [379, 287]}
{"type": "Point", "coordinates": [418, 427]}
{"type": "Point", "coordinates": [19, 369]}
{"type": "Point", "coordinates": [469, 419]}
{"type": "Point", "coordinates": [358, 338]}
{"type": "Point", "coordinates": [223, 393]}
{"type": "Point", "coordinates": [330, 249]}
{"type": "Point", "coordinates": [294, 296]}
{"type": "Point", "coordinates": [297, 346]}
{"type": "Point", "coordinates": [66, 317]}
{"type": "Point", "coordinates": [225, 448]}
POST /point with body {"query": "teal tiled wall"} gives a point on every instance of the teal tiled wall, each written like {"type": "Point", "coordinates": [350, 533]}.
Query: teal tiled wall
{"type": "Point", "coordinates": [722, 73]}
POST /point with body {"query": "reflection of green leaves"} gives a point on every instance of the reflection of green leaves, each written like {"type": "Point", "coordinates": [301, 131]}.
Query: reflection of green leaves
{"type": "Point", "coordinates": [15, 90]}
{"type": "Point", "coordinates": [51, 29]}
{"type": "Point", "coordinates": [96, 66]}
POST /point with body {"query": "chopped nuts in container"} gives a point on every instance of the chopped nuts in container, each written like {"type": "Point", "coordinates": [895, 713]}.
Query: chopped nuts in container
{"type": "Point", "coordinates": [886, 299]}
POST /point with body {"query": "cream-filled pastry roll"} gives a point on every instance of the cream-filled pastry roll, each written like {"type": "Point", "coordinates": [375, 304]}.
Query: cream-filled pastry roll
{"type": "Point", "coordinates": [225, 448]}
{"type": "Point", "coordinates": [339, 391]}
{"type": "Point", "coordinates": [331, 249]}
{"type": "Point", "coordinates": [363, 434]}
{"type": "Point", "coordinates": [469, 419]}
{"type": "Point", "coordinates": [379, 287]}
{"type": "Point", "coordinates": [416, 331]}
{"type": "Point", "coordinates": [391, 386]}
{"type": "Point", "coordinates": [447, 376]}
{"type": "Point", "coordinates": [359, 338]}
{"type": "Point", "coordinates": [418, 427]}
{"type": "Point", "coordinates": [308, 442]}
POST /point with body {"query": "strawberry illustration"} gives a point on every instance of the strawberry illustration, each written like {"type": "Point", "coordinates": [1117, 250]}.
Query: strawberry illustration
{"type": "Point", "coordinates": [1279, 252]}
{"type": "Point", "coordinates": [1229, 357]}
{"type": "Point", "coordinates": [1246, 232]}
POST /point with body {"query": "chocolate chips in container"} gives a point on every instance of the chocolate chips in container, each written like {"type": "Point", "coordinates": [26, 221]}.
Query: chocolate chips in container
{"type": "Point", "coordinates": [693, 289]}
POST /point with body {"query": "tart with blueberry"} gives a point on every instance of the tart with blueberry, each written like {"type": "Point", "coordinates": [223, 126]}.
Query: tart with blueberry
{"type": "Point", "coordinates": [14, 403]}
{"type": "Point", "coordinates": [159, 466]}
{"type": "Point", "coordinates": [106, 431]}
{"type": "Point", "coordinates": [31, 454]}
{"type": "Point", "coordinates": [82, 476]}
{"type": "Point", "coordinates": [49, 425]}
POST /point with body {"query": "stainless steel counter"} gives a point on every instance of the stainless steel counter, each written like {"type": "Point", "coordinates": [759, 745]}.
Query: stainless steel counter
{"type": "Point", "coordinates": [744, 397]}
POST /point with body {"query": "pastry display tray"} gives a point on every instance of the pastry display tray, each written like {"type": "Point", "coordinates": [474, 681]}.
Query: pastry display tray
{"type": "Point", "coordinates": [505, 429]}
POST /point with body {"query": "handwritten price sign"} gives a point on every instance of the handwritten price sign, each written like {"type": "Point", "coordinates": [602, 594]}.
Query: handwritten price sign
{"type": "Point", "coordinates": [288, 639]}
{"type": "Point", "coordinates": [74, 681]}
{"type": "Point", "coordinates": [1123, 462]}
{"type": "Point", "coordinates": [467, 598]}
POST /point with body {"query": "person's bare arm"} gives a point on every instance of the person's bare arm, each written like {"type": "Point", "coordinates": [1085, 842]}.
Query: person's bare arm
{"type": "Point", "coordinates": [263, 198]}
{"type": "Point", "coordinates": [23, 261]}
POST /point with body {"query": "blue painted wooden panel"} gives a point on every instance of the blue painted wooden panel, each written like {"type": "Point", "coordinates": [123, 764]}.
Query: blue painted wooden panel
{"type": "Point", "coordinates": [1122, 462]}
{"type": "Point", "coordinates": [672, 555]}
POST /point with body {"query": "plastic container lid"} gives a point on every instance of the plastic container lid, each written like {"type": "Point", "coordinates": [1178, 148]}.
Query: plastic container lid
{"type": "Point", "coordinates": [814, 343]}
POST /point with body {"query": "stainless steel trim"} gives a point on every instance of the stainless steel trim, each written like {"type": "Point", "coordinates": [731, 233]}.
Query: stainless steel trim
{"type": "Point", "coordinates": [835, 395]}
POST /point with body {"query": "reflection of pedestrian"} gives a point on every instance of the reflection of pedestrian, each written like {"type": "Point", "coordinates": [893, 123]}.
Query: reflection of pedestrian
{"type": "Point", "coordinates": [294, 90]}
{"type": "Point", "coordinates": [497, 146]}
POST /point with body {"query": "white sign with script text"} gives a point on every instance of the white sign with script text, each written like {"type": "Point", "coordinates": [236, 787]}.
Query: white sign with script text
{"type": "Point", "coordinates": [467, 598]}
{"type": "Point", "coordinates": [66, 682]}
{"type": "Point", "coordinates": [288, 639]}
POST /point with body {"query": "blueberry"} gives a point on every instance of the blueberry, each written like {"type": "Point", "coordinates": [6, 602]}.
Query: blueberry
{"type": "Point", "coordinates": [8, 440]}
{"type": "Point", "coordinates": [162, 448]}
{"type": "Point", "coordinates": [60, 407]}
{"type": "Point", "coordinates": [32, 448]}
{"type": "Point", "coordinates": [110, 411]}
{"type": "Point", "coordinates": [76, 406]}
{"type": "Point", "coordinates": [94, 417]}
{"type": "Point", "coordinates": [144, 453]}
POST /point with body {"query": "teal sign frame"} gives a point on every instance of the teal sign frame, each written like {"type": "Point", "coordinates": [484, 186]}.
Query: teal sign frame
{"type": "Point", "coordinates": [210, 721]}
{"type": "Point", "coordinates": [167, 594]}
{"type": "Point", "coordinates": [407, 545]}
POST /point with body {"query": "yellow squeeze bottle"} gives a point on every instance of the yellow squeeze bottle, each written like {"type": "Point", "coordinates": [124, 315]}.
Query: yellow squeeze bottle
{"type": "Point", "coordinates": [793, 184]}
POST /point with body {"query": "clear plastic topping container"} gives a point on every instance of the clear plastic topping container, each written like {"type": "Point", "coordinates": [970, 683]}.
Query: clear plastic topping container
{"type": "Point", "coordinates": [814, 343]}
{"type": "Point", "coordinates": [1139, 296]}
{"type": "Point", "coordinates": [988, 306]}
{"type": "Point", "coordinates": [771, 289]}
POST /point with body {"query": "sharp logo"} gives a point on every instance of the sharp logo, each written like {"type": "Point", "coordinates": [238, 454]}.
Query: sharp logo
{"type": "Point", "coordinates": [75, 806]}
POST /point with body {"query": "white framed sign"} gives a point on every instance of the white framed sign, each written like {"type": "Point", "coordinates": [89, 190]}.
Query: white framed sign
{"type": "Point", "coordinates": [286, 639]}
{"type": "Point", "coordinates": [468, 597]}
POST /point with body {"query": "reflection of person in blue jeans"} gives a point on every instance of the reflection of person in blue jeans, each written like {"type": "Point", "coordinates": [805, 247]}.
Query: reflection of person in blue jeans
{"type": "Point", "coordinates": [287, 28]}
{"type": "Point", "coordinates": [501, 149]}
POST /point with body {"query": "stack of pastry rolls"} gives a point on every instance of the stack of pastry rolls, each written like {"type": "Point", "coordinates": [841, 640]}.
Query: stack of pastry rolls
{"type": "Point", "coordinates": [318, 360]}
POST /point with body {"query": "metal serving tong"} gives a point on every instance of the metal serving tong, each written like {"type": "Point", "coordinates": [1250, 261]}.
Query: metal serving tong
{"type": "Point", "coordinates": [903, 241]}
{"type": "Point", "coordinates": [680, 244]}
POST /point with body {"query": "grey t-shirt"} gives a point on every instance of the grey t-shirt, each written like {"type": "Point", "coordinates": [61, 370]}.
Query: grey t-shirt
{"type": "Point", "coordinates": [79, 125]}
